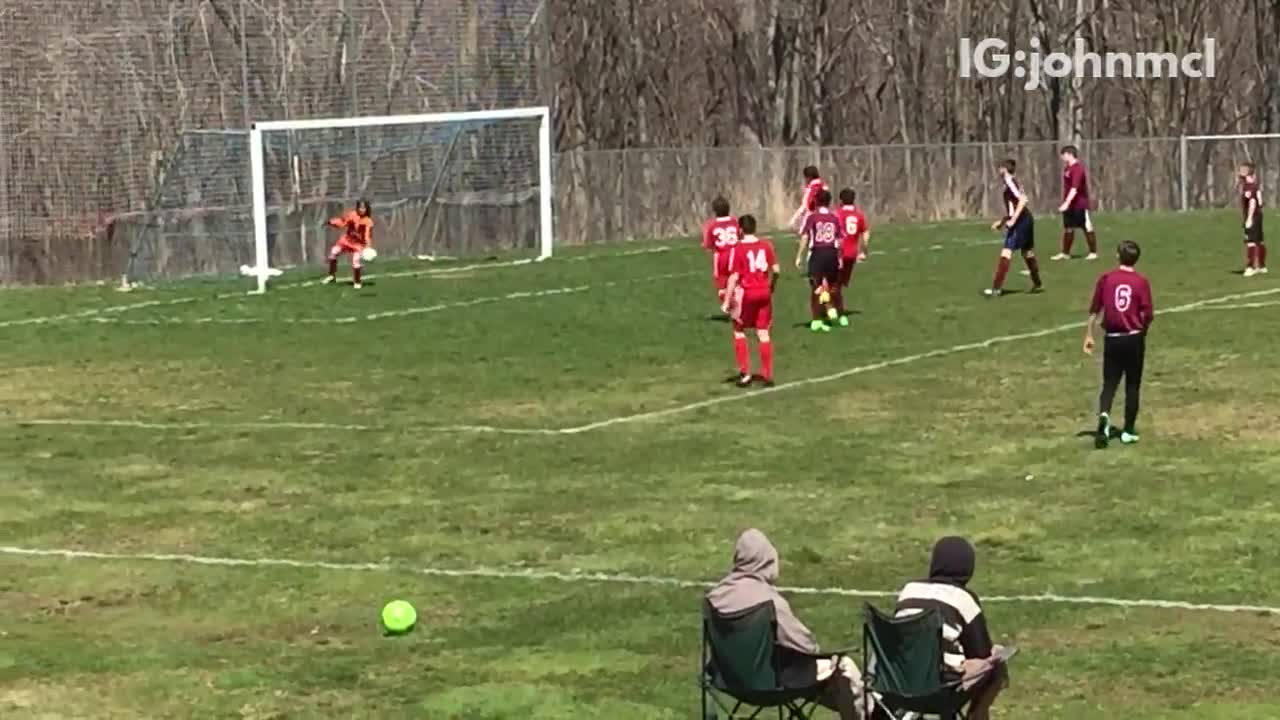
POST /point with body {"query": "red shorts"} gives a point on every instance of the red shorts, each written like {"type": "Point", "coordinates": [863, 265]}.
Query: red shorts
{"type": "Point", "coordinates": [753, 312]}
{"type": "Point", "coordinates": [720, 268]}
{"type": "Point", "coordinates": [721, 281]}
{"type": "Point", "coordinates": [846, 270]}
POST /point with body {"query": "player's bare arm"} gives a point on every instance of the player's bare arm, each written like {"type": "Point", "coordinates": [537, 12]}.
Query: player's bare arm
{"type": "Point", "coordinates": [1071, 196]}
{"type": "Point", "coordinates": [1018, 209]}
{"type": "Point", "coordinates": [1089, 342]}
{"type": "Point", "coordinates": [729, 289]}
{"type": "Point", "coordinates": [800, 250]}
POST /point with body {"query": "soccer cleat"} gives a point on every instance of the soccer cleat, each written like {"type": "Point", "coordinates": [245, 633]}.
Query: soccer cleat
{"type": "Point", "coordinates": [328, 279]}
{"type": "Point", "coordinates": [992, 292]}
{"type": "Point", "coordinates": [1249, 272]}
{"type": "Point", "coordinates": [1061, 256]}
{"type": "Point", "coordinates": [768, 382]}
{"type": "Point", "coordinates": [832, 314]}
{"type": "Point", "coordinates": [1091, 256]}
{"type": "Point", "coordinates": [1261, 271]}
{"type": "Point", "coordinates": [816, 325]}
{"type": "Point", "coordinates": [844, 321]}
{"type": "Point", "coordinates": [1128, 438]}
{"type": "Point", "coordinates": [745, 381]}
{"type": "Point", "coordinates": [1037, 288]}
{"type": "Point", "coordinates": [1103, 435]}
{"type": "Point", "coordinates": [356, 286]}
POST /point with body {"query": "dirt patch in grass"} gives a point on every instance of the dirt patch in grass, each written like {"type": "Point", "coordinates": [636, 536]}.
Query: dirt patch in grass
{"type": "Point", "coordinates": [1202, 420]}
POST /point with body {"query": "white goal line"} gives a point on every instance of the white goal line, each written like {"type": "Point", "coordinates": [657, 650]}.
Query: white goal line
{"type": "Point", "coordinates": [498, 573]}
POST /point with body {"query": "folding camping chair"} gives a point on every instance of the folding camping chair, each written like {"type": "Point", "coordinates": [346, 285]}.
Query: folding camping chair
{"type": "Point", "coordinates": [902, 667]}
{"type": "Point", "coordinates": [740, 667]}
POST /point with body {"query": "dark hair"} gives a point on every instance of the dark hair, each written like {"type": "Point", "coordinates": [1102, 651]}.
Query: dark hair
{"type": "Point", "coordinates": [1071, 150]}
{"type": "Point", "coordinates": [811, 172]}
{"type": "Point", "coordinates": [748, 224]}
{"type": "Point", "coordinates": [1009, 165]}
{"type": "Point", "coordinates": [1129, 252]}
{"type": "Point", "coordinates": [363, 207]}
{"type": "Point", "coordinates": [720, 206]}
{"type": "Point", "coordinates": [848, 196]}
{"type": "Point", "coordinates": [824, 198]}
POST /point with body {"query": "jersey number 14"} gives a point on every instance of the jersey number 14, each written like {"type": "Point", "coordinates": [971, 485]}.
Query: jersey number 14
{"type": "Point", "coordinates": [757, 261]}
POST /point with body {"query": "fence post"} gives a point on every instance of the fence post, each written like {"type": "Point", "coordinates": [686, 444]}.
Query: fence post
{"type": "Point", "coordinates": [1182, 170]}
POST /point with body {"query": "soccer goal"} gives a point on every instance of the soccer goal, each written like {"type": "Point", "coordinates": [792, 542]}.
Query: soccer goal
{"type": "Point", "coordinates": [442, 185]}
{"type": "Point", "coordinates": [1208, 165]}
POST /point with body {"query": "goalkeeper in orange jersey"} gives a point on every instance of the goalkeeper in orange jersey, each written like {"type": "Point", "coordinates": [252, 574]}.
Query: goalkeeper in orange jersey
{"type": "Point", "coordinates": [357, 234]}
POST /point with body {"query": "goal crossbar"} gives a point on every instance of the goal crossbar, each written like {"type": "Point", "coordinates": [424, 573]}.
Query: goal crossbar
{"type": "Point", "coordinates": [262, 269]}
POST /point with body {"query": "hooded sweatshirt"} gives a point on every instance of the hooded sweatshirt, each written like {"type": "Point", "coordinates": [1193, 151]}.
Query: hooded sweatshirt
{"type": "Point", "coordinates": [755, 572]}
{"type": "Point", "coordinates": [964, 627]}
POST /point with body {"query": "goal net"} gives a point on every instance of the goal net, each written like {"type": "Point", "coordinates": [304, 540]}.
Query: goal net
{"type": "Point", "coordinates": [448, 185]}
{"type": "Point", "coordinates": [1210, 163]}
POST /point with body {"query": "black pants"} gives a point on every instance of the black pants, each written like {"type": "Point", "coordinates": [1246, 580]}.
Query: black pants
{"type": "Point", "coordinates": [1123, 358]}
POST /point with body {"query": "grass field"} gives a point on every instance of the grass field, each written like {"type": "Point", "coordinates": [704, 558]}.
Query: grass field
{"type": "Point", "coordinates": [200, 422]}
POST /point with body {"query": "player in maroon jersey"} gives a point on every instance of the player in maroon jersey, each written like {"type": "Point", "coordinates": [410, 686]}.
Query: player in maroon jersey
{"type": "Point", "coordinates": [854, 248]}
{"type": "Point", "coordinates": [1123, 306]}
{"type": "Point", "coordinates": [813, 184]}
{"type": "Point", "coordinates": [719, 235]}
{"type": "Point", "coordinates": [1075, 205]}
{"type": "Point", "coordinates": [753, 274]}
{"type": "Point", "coordinates": [821, 237]}
{"type": "Point", "coordinates": [1255, 262]}
{"type": "Point", "coordinates": [1019, 231]}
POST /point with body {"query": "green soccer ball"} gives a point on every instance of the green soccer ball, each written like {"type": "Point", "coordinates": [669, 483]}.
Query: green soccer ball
{"type": "Point", "coordinates": [398, 617]}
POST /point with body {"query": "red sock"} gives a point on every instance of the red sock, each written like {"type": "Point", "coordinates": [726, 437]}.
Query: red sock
{"type": "Point", "coordinates": [1092, 239]}
{"type": "Point", "coordinates": [1262, 255]}
{"type": "Point", "coordinates": [1068, 239]}
{"type": "Point", "coordinates": [837, 299]}
{"type": "Point", "coordinates": [815, 307]}
{"type": "Point", "coordinates": [355, 275]}
{"type": "Point", "coordinates": [743, 356]}
{"type": "Point", "coordinates": [1002, 269]}
{"type": "Point", "coordinates": [1033, 265]}
{"type": "Point", "coordinates": [333, 266]}
{"type": "Point", "coordinates": [766, 359]}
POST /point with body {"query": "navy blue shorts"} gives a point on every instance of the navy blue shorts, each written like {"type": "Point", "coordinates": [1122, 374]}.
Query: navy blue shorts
{"type": "Point", "coordinates": [1022, 236]}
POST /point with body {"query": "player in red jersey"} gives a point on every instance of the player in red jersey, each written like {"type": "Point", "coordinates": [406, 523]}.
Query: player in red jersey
{"type": "Point", "coordinates": [813, 184]}
{"type": "Point", "coordinates": [1123, 306]}
{"type": "Point", "coordinates": [1019, 231]}
{"type": "Point", "coordinates": [854, 248]}
{"type": "Point", "coordinates": [1075, 205]}
{"type": "Point", "coordinates": [357, 234]}
{"type": "Point", "coordinates": [821, 238]}
{"type": "Point", "coordinates": [753, 274]}
{"type": "Point", "coordinates": [719, 235]}
{"type": "Point", "coordinates": [1255, 262]}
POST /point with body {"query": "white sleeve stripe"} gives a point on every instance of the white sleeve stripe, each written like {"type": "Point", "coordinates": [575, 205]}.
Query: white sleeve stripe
{"type": "Point", "coordinates": [1013, 187]}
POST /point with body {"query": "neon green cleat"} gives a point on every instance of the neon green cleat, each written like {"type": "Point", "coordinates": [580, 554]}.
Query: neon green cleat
{"type": "Point", "coordinates": [844, 321]}
{"type": "Point", "coordinates": [819, 326]}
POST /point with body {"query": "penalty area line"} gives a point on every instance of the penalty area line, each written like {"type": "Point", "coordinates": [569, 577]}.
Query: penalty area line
{"type": "Point", "coordinates": [1206, 304]}
{"type": "Point", "coordinates": [529, 574]}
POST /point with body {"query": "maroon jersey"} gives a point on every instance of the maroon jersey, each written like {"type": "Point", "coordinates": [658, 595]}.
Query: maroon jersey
{"type": "Point", "coordinates": [1123, 298]}
{"type": "Point", "coordinates": [755, 262]}
{"type": "Point", "coordinates": [1249, 191]}
{"type": "Point", "coordinates": [822, 228]}
{"type": "Point", "coordinates": [811, 193]}
{"type": "Point", "coordinates": [1074, 177]}
{"type": "Point", "coordinates": [1012, 195]}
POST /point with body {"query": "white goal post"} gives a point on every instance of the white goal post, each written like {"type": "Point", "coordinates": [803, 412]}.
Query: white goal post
{"type": "Point", "coordinates": [486, 157]}
{"type": "Point", "coordinates": [1207, 163]}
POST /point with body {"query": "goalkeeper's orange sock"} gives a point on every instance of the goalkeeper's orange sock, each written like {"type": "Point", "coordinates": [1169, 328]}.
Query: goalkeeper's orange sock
{"type": "Point", "coordinates": [742, 355]}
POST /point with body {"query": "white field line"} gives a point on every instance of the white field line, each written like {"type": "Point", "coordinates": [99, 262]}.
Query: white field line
{"type": "Point", "coordinates": [905, 360]}
{"type": "Point", "coordinates": [100, 312]}
{"type": "Point", "coordinates": [1206, 304]}
{"type": "Point", "coordinates": [1245, 306]}
{"type": "Point", "coordinates": [497, 573]}
{"type": "Point", "coordinates": [389, 314]}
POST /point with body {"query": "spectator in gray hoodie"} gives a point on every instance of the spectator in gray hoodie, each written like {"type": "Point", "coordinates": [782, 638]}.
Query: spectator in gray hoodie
{"type": "Point", "coordinates": [752, 582]}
